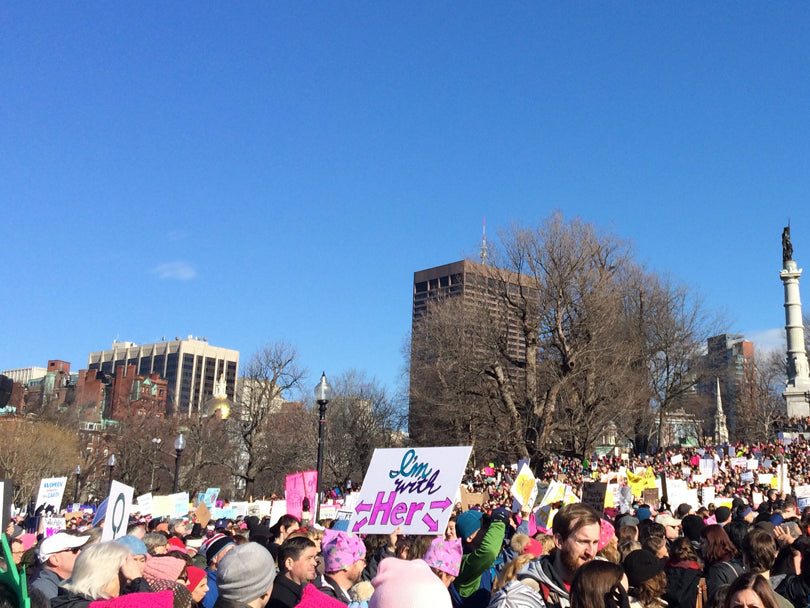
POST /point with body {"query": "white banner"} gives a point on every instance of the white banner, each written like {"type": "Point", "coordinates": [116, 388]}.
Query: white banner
{"type": "Point", "coordinates": [411, 489]}
{"type": "Point", "coordinates": [119, 503]}
{"type": "Point", "coordinates": [144, 506]}
{"type": "Point", "coordinates": [50, 492]}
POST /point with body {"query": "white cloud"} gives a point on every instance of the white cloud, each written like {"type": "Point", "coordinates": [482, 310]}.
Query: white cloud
{"type": "Point", "coordinates": [768, 339]}
{"type": "Point", "coordinates": [178, 271]}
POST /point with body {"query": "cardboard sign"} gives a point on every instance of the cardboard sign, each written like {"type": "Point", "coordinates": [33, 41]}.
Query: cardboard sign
{"type": "Point", "coordinates": [145, 504]}
{"type": "Point", "coordinates": [593, 495]}
{"type": "Point", "coordinates": [650, 496]}
{"type": "Point", "coordinates": [53, 525]}
{"type": "Point", "coordinates": [51, 491]}
{"type": "Point", "coordinates": [409, 488]}
{"type": "Point", "coordinates": [472, 499]}
{"type": "Point", "coordinates": [524, 490]}
{"type": "Point", "coordinates": [203, 514]}
{"type": "Point", "coordinates": [119, 503]}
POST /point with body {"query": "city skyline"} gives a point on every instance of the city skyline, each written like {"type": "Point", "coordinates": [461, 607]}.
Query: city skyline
{"type": "Point", "coordinates": [262, 173]}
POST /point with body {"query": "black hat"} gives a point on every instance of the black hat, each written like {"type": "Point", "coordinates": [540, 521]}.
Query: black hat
{"type": "Point", "coordinates": [722, 514]}
{"type": "Point", "coordinates": [692, 526]}
{"type": "Point", "coordinates": [641, 565]}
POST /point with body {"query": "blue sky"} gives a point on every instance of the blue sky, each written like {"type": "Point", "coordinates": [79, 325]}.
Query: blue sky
{"type": "Point", "coordinates": [259, 171]}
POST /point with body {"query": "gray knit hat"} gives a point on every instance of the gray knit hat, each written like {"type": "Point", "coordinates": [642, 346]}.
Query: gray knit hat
{"type": "Point", "coordinates": [245, 573]}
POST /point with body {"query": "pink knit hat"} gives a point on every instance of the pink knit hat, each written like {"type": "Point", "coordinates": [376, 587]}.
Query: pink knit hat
{"type": "Point", "coordinates": [605, 534]}
{"type": "Point", "coordinates": [161, 599]}
{"type": "Point", "coordinates": [340, 550]}
{"type": "Point", "coordinates": [313, 598]}
{"type": "Point", "coordinates": [403, 584]}
{"type": "Point", "coordinates": [163, 568]}
{"type": "Point", "coordinates": [444, 555]}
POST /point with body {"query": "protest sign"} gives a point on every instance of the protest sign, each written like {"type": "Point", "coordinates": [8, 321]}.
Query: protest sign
{"type": "Point", "coordinates": [593, 495]}
{"type": "Point", "coordinates": [555, 492]}
{"type": "Point", "coordinates": [765, 478]}
{"type": "Point", "coordinates": [203, 514]}
{"type": "Point", "coordinates": [50, 492]}
{"type": "Point", "coordinates": [708, 495]}
{"type": "Point", "coordinates": [241, 508]}
{"type": "Point", "coordinates": [273, 509]}
{"type": "Point", "coordinates": [410, 489]}
{"type": "Point", "coordinates": [210, 497]}
{"type": "Point", "coordinates": [707, 467]}
{"type": "Point", "coordinates": [53, 525]}
{"type": "Point", "coordinates": [299, 486]}
{"type": "Point", "coordinates": [6, 495]}
{"type": "Point", "coordinates": [253, 510]}
{"type": "Point", "coordinates": [119, 503]}
{"type": "Point", "coordinates": [329, 511]}
{"type": "Point", "coordinates": [739, 462]}
{"type": "Point", "coordinates": [144, 504]}
{"type": "Point", "coordinates": [524, 490]}
{"type": "Point", "coordinates": [180, 504]}
{"type": "Point", "coordinates": [650, 496]}
{"type": "Point", "coordinates": [677, 459]}
{"type": "Point", "coordinates": [747, 477]}
{"type": "Point", "coordinates": [470, 499]}
{"type": "Point", "coordinates": [752, 464]}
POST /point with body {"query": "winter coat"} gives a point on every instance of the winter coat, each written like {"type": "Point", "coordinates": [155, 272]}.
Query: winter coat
{"type": "Point", "coordinates": [286, 593]}
{"type": "Point", "coordinates": [327, 585]}
{"type": "Point", "coordinates": [473, 585]}
{"type": "Point", "coordinates": [552, 587]}
{"type": "Point", "coordinates": [68, 599]}
{"type": "Point", "coordinates": [682, 584]}
{"type": "Point", "coordinates": [794, 589]}
{"type": "Point", "coordinates": [723, 573]}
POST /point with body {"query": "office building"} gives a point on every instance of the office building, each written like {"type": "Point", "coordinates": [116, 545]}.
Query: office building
{"type": "Point", "coordinates": [190, 367]}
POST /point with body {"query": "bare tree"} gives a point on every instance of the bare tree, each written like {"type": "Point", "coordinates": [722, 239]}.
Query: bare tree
{"type": "Point", "coordinates": [270, 374]}
{"type": "Point", "coordinates": [362, 416]}
{"type": "Point", "coordinates": [759, 407]}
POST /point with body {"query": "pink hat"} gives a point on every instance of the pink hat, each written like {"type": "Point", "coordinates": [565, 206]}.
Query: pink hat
{"type": "Point", "coordinates": [163, 568]}
{"type": "Point", "coordinates": [340, 550]}
{"type": "Point", "coordinates": [402, 584]}
{"type": "Point", "coordinates": [605, 533]}
{"type": "Point", "coordinates": [444, 555]}
{"type": "Point", "coordinates": [535, 547]}
{"type": "Point", "coordinates": [160, 599]}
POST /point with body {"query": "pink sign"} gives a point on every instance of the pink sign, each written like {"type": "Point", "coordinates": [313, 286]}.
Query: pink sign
{"type": "Point", "coordinates": [297, 487]}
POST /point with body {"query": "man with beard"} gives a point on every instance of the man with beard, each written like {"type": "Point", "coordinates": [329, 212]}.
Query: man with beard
{"type": "Point", "coordinates": [576, 532]}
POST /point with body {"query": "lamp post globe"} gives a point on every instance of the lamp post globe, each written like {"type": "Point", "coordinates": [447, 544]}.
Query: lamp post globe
{"type": "Point", "coordinates": [323, 394]}
{"type": "Point", "coordinates": [179, 446]}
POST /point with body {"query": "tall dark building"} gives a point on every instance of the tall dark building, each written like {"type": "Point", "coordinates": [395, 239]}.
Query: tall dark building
{"type": "Point", "coordinates": [472, 284]}
{"type": "Point", "coordinates": [190, 367]}
{"type": "Point", "coordinates": [731, 359]}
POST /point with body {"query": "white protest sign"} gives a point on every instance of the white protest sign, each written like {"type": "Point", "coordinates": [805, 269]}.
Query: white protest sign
{"type": "Point", "coordinates": [145, 504]}
{"type": "Point", "coordinates": [752, 464]}
{"type": "Point", "coordinates": [409, 488]}
{"type": "Point", "coordinates": [241, 508]}
{"type": "Point", "coordinates": [524, 490]}
{"type": "Point", "coordinates": [708, 495]}
{"type": "Point", "coordinates": [677, 459]}
{"type": "Point", "coordinates": [50, 492]}
{"type": "Point", "coordinates": [53, 525]}
{"type": "Point", "coordinates": [179, 504]}
{"type": "Point", "coordinates": [119, 503]}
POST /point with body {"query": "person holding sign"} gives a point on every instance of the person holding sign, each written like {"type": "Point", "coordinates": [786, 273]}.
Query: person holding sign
{"type": "Point", "coordinates": [472, 587]}
{"type": "Point", "coordinates": [576, 529]}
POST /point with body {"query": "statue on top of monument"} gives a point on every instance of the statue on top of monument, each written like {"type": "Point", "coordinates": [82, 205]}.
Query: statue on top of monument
{"type": "Point", "coordinates": [787, 248]}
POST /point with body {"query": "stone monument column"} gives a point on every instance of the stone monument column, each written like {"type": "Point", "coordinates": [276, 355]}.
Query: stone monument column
{"type": "Point", "coordinates": [797, 389]}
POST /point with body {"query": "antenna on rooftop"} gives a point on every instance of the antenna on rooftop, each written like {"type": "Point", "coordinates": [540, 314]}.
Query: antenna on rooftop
{"type": "Point", "coordinates": [484, 244]}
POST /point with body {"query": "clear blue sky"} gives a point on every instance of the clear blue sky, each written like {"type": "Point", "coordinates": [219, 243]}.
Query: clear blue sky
{"type": "Point", "coordinates": [278, 170]}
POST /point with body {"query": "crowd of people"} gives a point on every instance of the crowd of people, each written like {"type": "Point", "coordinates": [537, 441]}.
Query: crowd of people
{"type": "Point", "coordinates": [751, 553]}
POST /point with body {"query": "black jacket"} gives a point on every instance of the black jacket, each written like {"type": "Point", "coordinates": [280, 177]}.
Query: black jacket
{"type": "Point", "coordinates": [722, 573]}
{"type": "Point", "coordinates": [682, 584]}
{"type": "Point", "coordinates": [285, 594]}
{"type": "Point", "coordinates": [794, 589]}
{"type": "Point", "coordinates": [68, 599]}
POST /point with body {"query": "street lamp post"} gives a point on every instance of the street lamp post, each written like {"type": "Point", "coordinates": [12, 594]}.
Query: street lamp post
{"type": "Point", "coordinates": [323, 393]}
{"type": "Point", "coordinates": [110, 465]}
{"type": "Point", "coordinates": [179, 446]}
{"type": "Point", "coordinates": [77, 471]}
{"type": "Point", "coordinates": [156, 441]}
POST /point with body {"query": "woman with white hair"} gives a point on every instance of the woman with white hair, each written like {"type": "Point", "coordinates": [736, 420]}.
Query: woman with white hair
{"type": "Point", "coordinates": [95, 576]}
